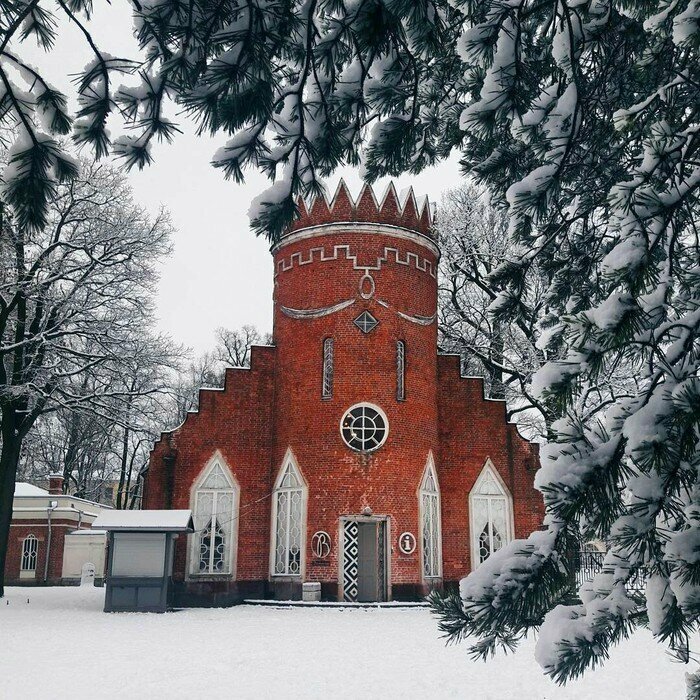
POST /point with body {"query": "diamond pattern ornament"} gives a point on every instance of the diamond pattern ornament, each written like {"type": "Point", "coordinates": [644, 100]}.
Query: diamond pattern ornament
{"type": "Point", "coordinates": [366, 322]}
{"type": "Point", "coordinates": [350, 564]}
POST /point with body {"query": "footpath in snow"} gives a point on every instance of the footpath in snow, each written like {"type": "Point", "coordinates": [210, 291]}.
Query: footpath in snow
{"type": "Point", "coordinates": [60, 645]}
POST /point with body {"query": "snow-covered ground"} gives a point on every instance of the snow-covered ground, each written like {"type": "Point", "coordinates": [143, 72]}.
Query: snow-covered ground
{"type": "Point", "coordinates": [60, 645]}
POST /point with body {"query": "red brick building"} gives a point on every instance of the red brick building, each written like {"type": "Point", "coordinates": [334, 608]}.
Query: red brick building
{"type": "Point", "coordinates": [350, 453]}
{"type": "Point", "coordinates": [42, 533]}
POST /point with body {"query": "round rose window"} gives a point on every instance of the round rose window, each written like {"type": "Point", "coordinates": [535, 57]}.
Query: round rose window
{"type": "Point", "coordinates": [364, 427]}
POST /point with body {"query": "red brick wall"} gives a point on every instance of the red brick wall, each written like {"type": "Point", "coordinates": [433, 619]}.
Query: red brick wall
{"type": "Point", "coordinates": [473, 429]}
{"type": "Point", "coordinates": [19, 529]}
{"type": "Point", "coordinates": [238, 423]}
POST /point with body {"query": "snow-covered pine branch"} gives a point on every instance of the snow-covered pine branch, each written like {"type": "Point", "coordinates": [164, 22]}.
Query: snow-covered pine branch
{"type": "Point", "coordinates": [295, 86]}
{"type": "Point", "coordinates": [597, 167]}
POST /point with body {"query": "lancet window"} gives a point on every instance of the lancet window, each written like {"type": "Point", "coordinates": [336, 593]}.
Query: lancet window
{"type": "Point", "coordinates": [289, 505]}
{"type": "Point", "coordinates": [430, 515]}
{"type": "Point", "coordinates": [491, 515]}
{"type": "Point", "coordinates": [215, 520]}
{"type": "Point", "coordinates": [327, 384]}
{"type": "Point", "coordinates": [400, 370]}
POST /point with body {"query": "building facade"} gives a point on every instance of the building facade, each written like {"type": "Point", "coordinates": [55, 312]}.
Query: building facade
{"type": "Point", "coordinates": [350, 453]}
{"type": "Point", "coordinates": [44, 546]}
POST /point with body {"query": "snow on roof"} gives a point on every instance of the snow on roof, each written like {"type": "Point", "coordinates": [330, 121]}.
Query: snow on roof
{"type": "Point", "coordinates": [145, 520]}
{"type": "Point", "coordinates": [22, 488]}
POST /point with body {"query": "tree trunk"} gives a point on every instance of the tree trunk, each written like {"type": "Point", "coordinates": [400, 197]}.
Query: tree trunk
{"type": "Point", "coordinates": [121, 495]}
{"type": "Point", "coordinates": [9, 459]}
{"type": "Point", "coordinates": [136, 492]}
{"type": "Point", "coordinates": [70, 456]}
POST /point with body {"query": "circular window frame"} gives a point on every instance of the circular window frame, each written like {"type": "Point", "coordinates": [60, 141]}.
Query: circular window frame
{"type": "Point", "coordinates": [379, 411]}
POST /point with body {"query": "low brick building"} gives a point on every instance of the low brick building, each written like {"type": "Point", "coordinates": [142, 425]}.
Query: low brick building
{"type": "Point", "coordinates": [42, 527]}
{"type": "Point", "coordinates": [350, 453]}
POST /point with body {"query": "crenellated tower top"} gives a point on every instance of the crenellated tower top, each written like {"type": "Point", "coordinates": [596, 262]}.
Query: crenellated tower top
{"type": "Point", "coordinates": [342, 208]}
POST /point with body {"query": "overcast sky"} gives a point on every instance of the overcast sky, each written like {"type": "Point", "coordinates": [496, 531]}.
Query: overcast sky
{"type": "Point", "coordinates": [220, 273]}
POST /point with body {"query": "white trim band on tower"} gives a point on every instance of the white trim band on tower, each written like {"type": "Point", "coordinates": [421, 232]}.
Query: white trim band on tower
{"type": "Point", "coordinates": [355, 227]}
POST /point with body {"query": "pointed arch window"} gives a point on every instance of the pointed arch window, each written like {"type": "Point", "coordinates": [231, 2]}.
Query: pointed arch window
{"type": "Point", "coordinates": [215, 520]}
{"type": "Point", "coordinates": [30, 546]}
{"type": "Point", "coordinates": [430, 522]}
{"type": "Point", "coordinates": [327, 383]}
{"type": "Point", "coordinates": [289, 509]}
{"type": "Point", "coordinates": [491, 515]}
{"type": "Point", "coordinates": [400, 370]}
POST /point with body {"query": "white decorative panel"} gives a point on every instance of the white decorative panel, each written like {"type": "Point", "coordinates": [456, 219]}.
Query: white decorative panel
{"type": "Point", "coordinates": [214, 519]}
{"type": "Point", "coordinates": [289, 523]}
{"type": "Point", "coordinates": [350, 561]}
{"type": "Point", "coordinates": [490, 516]}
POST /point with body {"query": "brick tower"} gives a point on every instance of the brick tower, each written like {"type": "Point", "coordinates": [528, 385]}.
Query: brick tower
{"type": "Point", "coordinates": [350, 454]}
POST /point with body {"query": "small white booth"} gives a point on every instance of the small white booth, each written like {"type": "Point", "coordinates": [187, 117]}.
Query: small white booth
{"type": "Point", "coordinates": [140, 557]}
{"type": "Point", "coordinates": [82, 548]}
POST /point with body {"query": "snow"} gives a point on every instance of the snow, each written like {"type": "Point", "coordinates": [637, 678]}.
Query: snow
{"type": "Point", "coordinates": [500, 75]}
{"type": "Point", "coordinates": [659, 602]}
{"type": "Point", "coordinates": [687, 24]}
{"type": "Point", "coordinates": [173, 520]}
{"type": "Point", "coordinates": [272, 196]}
{"type": "Point", "coordinates": [271, 652]}
{"type": "Point", "coordinates": [504, 575]}
{"type": "Point", "coordinates": [612, 311]}
{"type": "Point", "coordinates": [532, 184]}
{"type": "Point", "coordinates": [22, 488]}
{"type": "Point", "coordinates": [555, 373]}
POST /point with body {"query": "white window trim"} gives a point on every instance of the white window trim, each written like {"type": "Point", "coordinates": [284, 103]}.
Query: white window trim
{"type": "Point", "coordinates": [488, 468]}
{"type": "Point", "coordinates": [430, 467]}
{"type": "Point", "coordinates": [193, 547]}
{"type": "Point", "coordinates": [365, 404]}
{"type": "Point", "coordinates": [29, 573]}
{"type": "Point", "coordinates": [289, 458]}
{"type": "Point", "coordinates": [400, 370]}
{"type": "Point", "coordinates": [328, 370]}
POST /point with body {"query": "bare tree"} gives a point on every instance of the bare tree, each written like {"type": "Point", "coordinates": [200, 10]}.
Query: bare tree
{"type": "Point", "coordinates": [208, 370]}
{"type": "Point", "coordinates": [72, 294]}
{"type": "Point", "coordinates": [144, 411]}
{"type": "Point", "coordinates": [74, 442]}
{"type": "Point", "coordinates": [95, 452]}
{"type": "Point", "coordinates": [233, 346]}
{"type": "Point", "coordinates": [474, 242]}
{"type": "Point", "coordinates": [204, 371]}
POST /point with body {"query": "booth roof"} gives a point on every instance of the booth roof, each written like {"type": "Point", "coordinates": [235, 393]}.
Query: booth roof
{"type": "Point", "coordinates": [145, 521]}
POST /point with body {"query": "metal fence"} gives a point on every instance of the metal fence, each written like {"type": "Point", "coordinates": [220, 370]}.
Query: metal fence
{"type": "Point", "coordinates": [588, 563]}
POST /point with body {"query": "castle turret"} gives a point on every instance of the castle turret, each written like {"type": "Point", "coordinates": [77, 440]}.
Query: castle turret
{"type": "Point", "coordinates": [355, 329]}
